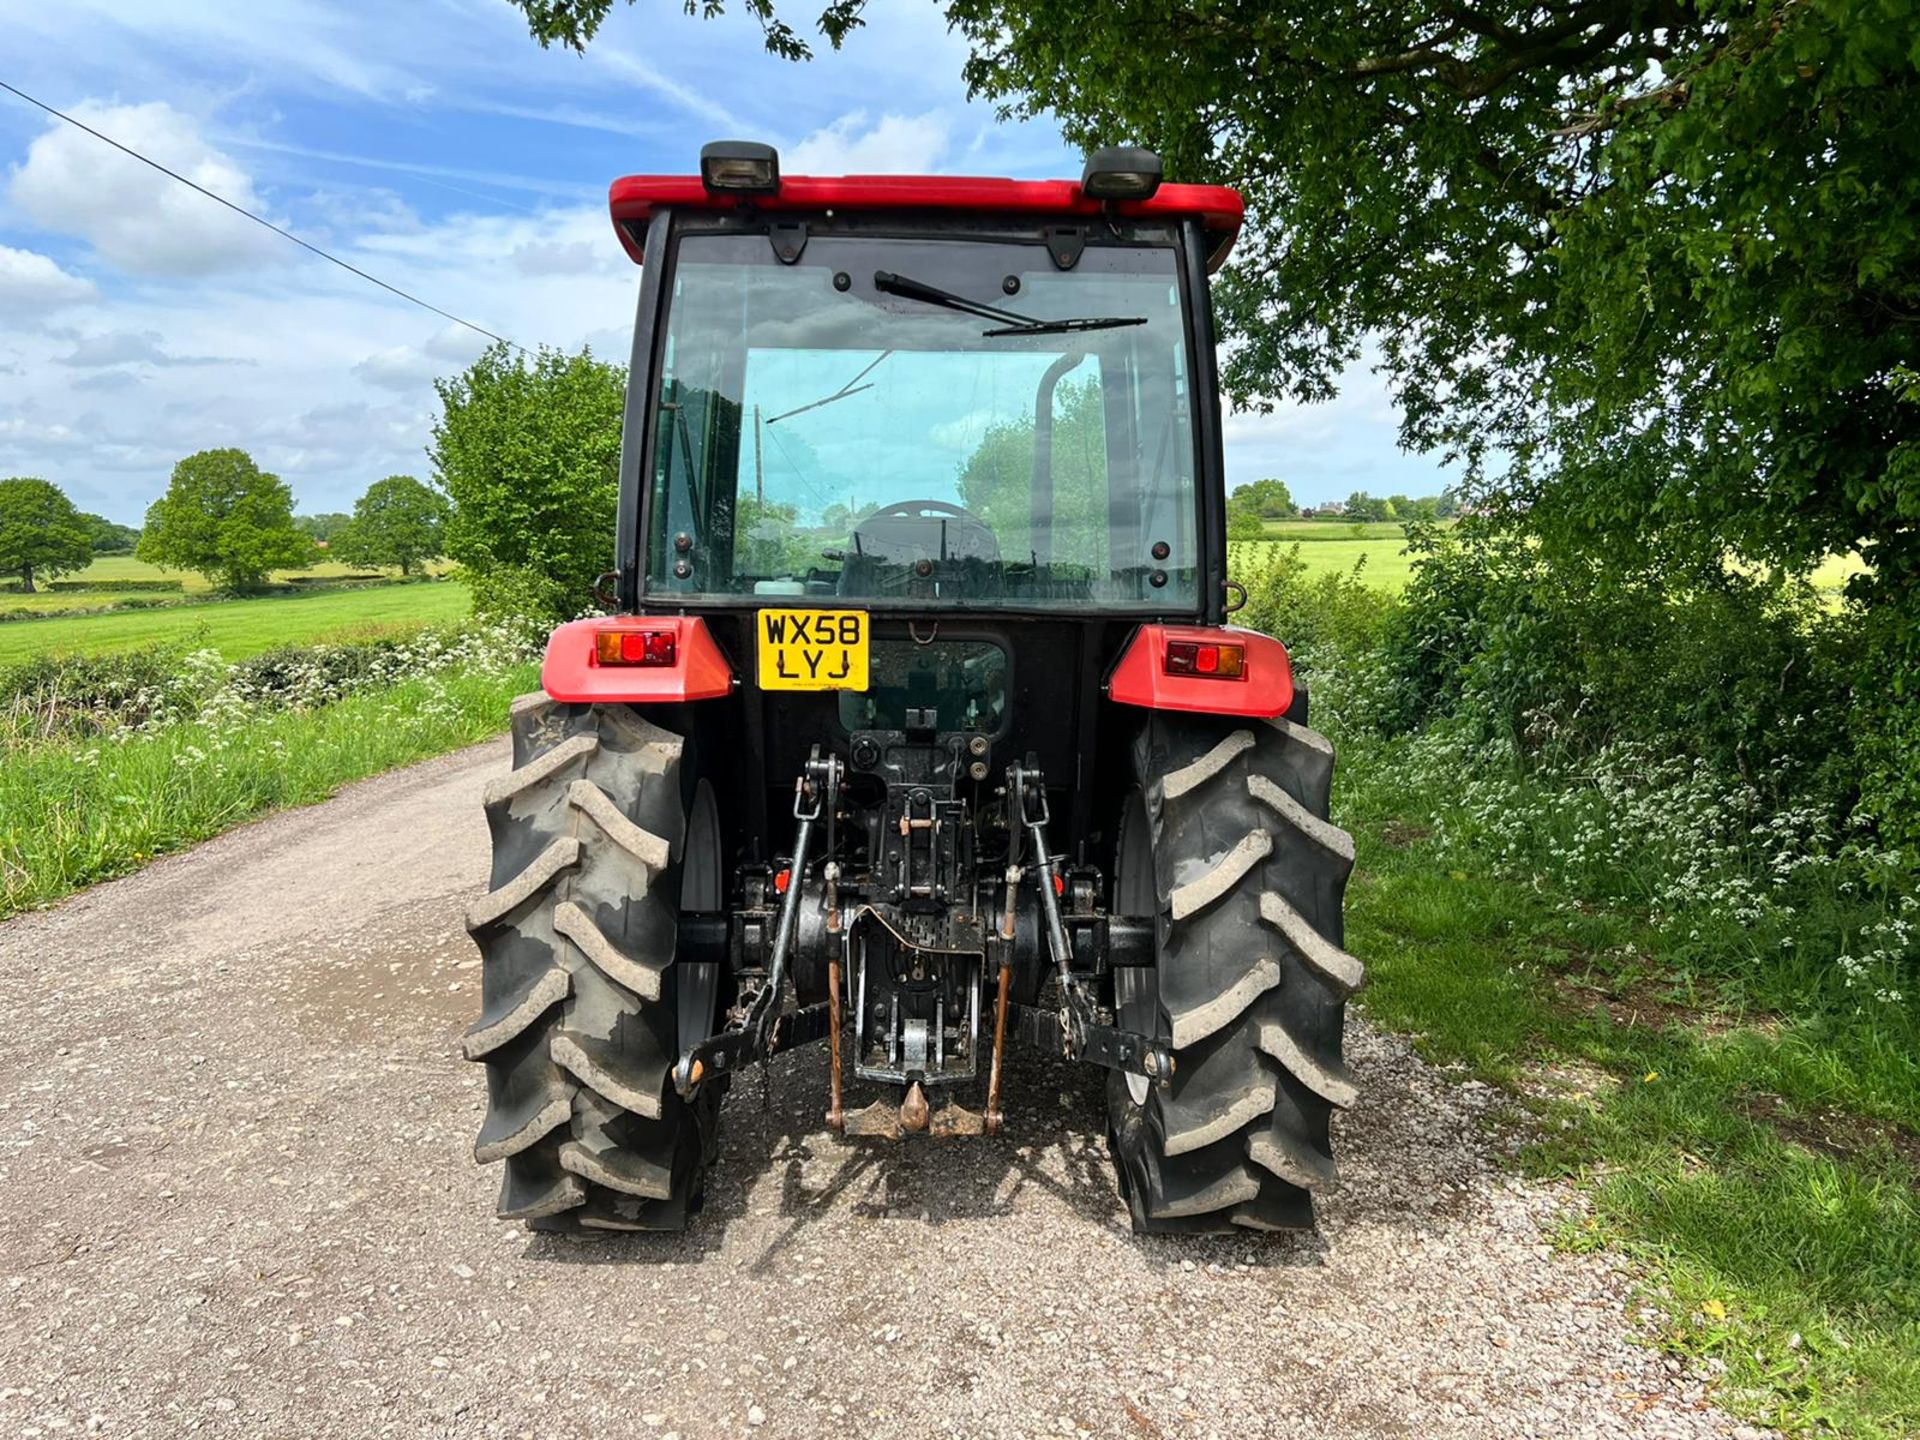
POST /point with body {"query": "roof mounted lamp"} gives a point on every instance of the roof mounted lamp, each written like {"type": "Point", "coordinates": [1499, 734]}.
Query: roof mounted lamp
{"type": "Point", "coordinates": [741, 167]}
{"type": "Point", "coordinates": [1121, 172]}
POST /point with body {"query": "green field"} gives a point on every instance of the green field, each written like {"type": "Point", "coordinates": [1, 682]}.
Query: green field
{"type": "Point", "coordinates": [125, 567]}
{"type": "Point", "coordinates": [237, 628]}
{"type": "Point", "coordinates": [1328, 546]}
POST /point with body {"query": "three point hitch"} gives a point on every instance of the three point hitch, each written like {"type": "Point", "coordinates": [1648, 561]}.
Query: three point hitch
{"type": "Point", "coordinates": [913, 972]}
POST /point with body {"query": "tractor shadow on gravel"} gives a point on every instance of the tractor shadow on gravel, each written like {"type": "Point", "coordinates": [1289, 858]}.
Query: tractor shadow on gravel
{"type": "Point", "coordinates": [780, 1171]}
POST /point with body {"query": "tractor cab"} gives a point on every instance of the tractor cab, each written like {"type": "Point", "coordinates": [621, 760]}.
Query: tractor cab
{"type": "Point", "coordinates": [962, 395]}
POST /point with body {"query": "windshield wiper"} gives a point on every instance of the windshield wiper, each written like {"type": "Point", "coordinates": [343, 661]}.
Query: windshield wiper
{"type": "Point", "coordinates": [1012, 322]}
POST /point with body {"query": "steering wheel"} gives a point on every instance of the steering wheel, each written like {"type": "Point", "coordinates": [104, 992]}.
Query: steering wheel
{"type": "Point", "coordinates": [920, 510]}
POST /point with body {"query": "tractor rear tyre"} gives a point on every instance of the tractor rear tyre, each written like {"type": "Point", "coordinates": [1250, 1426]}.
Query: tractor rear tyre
{"type": "Point", "coordinates": [578, 1026]}
{"type": "Point", "coordinates": [1226, 843]}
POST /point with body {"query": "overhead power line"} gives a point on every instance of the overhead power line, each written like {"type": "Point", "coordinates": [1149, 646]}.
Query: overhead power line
{"type": "Point", "coordinates": [330, 258]}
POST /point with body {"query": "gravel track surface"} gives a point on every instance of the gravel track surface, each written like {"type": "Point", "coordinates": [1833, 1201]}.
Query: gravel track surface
{"type": "Point", "coordinates": [236, 1199]}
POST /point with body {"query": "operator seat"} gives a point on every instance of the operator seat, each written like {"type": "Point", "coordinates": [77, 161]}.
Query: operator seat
{"type": "Point", "coordinates": [887, 544]}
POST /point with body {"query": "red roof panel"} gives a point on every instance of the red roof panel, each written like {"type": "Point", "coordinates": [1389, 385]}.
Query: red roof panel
{"type": "Point", "coordinates": [634, 198]}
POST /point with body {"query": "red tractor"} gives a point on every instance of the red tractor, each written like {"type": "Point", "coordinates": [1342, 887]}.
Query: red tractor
{"type": "Point", "coordinates": [919, 729]}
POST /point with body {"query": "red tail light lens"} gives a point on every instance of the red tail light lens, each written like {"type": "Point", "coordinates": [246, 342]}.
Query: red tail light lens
{"type": "Point", "coordinates": [1214, 662]}
{"type": "Point", "coordinates": [634, 647]}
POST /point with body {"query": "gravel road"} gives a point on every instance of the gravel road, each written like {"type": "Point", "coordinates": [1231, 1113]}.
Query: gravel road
{"type": "Point", "coordinates": [236, 1199]}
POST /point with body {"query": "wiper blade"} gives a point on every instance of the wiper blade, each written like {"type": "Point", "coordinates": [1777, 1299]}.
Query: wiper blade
{"type": "Point", "coordinates": [1068, 327]}
{"type": "Point", "coordinates": [908, 288]}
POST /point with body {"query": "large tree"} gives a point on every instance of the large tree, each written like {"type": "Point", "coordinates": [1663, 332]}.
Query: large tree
{"type": "Point", "coordinates": [398, 521]}
{"type": "Point", "coordinates": [1652, 267]}
{"type": "Point", "coordinates": [1269, 499]}
{"type": "Point", "coordinates": [1658, 262]}
{"type": "Point", "coordinates": [41, 534]}
{"type": "Point", "coordinates": [528, 450]}
{"type": "Point", "coordinates": [227, 518]}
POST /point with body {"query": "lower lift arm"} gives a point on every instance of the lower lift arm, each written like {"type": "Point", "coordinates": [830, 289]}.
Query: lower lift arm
{"type": "Point", "coordinates": [760, 1029]}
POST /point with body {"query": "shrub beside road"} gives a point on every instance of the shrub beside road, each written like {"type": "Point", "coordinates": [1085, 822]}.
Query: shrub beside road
{"type": "Point", "coordinates": [1613, 861]}
{"type": "Point", "coordinates": [112, 761]}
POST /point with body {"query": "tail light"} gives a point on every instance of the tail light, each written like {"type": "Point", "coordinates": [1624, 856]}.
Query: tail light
{"type": "Point", "coordinates": [1210, 661]}
{"type": "Point", "coordinates": [635, 647]}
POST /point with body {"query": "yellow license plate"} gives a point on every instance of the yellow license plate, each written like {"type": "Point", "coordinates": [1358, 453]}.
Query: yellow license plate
{"type": "Point", "coordinates": [813, 649]}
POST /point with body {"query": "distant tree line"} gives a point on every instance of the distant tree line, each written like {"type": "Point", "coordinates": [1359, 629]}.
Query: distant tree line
{"type": "Point", "coordinates": [225, 517]}
{"type": "Point", "coordinates": [1364, 507]}
{"type": "Point", "coordinates": [1252, 505]}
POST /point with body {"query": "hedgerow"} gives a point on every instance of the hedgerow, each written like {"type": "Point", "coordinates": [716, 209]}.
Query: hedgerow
{"type": "Point", "coordinates": [1697, 748]}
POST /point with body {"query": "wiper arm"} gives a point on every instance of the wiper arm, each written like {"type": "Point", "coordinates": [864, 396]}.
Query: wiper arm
{"type": "Point", "coordinates": [907, 288]}
{"type": "Point", "coordinates": [1012, 323]}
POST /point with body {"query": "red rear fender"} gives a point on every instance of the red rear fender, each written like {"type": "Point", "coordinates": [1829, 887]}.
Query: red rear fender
{"type": "Point", "coordinates": [573, 672]}
{"type": "Point", "coordinates": [1142, 675]}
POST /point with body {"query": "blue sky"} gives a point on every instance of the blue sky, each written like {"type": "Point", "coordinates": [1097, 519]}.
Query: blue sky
{"type": "Point", "coordinates": [432, 143]}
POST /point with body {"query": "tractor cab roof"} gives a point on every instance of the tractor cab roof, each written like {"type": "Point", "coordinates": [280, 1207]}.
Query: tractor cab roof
{"type": "Point", "coordinates": [635, 198]}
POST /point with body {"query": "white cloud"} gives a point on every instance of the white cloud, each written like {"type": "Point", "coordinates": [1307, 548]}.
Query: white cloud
{"type": "Point", "coordinates": [436, 174]}
{"type": "Point", "coordinates": [132, 215]}
{"type": "Point", "coordinates": [631, 67]}
{"type": "Point", "coordinates": [31, 284]}
{"type": "Point", "coordinates": [130, 347]}
{"type": "Point", "coordinates": [456, 343]}
{"type": "Point", "coordinates": [105, 380]}
{"type": "Point", "coordinates": [573, 257]}
{"type": "Point", "coordinates": [894, 145]}
{"type": "Point", "coordinates": [400, 367]}
{"type": "Point", "coordinates": [1327, 451]}
{"type": "Point", "coordinates": [316, 43]}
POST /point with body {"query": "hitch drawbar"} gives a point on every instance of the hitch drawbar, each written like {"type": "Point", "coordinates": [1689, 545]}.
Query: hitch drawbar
{"type": "Point", "coordinates": [932, 948]}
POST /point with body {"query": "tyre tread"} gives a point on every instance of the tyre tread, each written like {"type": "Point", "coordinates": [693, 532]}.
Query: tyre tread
{"type": "Point", "coordinates": [1252, 978]}
{"type": "Point", "coordinates": [576, 935]}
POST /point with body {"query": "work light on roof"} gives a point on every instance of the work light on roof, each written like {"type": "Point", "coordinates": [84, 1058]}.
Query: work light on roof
{"type": "Point", "coordinates": [1121, 172]}
{"type": "Point", "coordinates": [740, 167]}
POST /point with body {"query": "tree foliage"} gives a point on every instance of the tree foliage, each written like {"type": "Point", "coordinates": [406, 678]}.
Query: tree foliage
{"type": "Point", "coordinates": [323, 526]}
{"type": "Point", "coordinates": [108, 537]}
{"type": "Point", "coordinates": [1660, 261]}
{"type": "Point", "coordinates": [572, 23]}
{"type": "Point", "coordinates": [528, 451]}
{"type": "Point", "coordinates": [1651, 267]}
{"type": "Point", "coordinates": [1269, 499]}
{"type": "Point", "coordinates": [41, 534]}
{"type": "Point", "coordinates": [1243, 521]}
{"type": "Point", "coordinates": [398, 521]}
{"type": "Point", "coordinates": [227, 518]}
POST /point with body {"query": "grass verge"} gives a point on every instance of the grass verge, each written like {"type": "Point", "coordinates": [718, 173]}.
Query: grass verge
{"type": "Point", "coordinates": [75, 813]}
{"type": "Point", "coordinates": [1760, 1163]}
